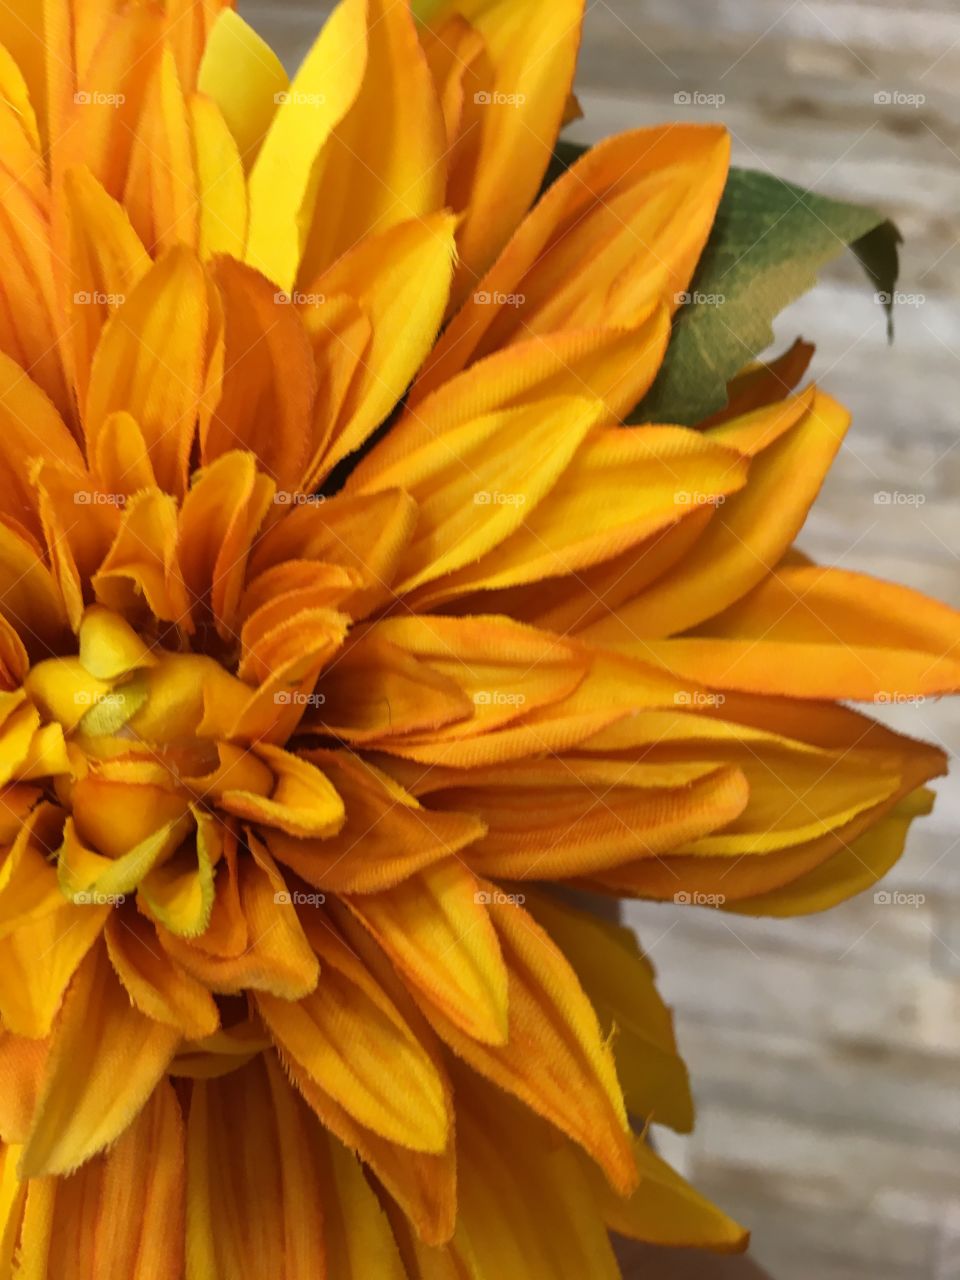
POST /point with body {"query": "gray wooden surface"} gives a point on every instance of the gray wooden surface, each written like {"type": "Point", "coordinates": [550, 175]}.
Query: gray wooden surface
{"type": "Point", "coordinates": [826, 1052]}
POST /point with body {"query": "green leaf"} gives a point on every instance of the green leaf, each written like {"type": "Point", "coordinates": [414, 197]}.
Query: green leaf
{"type": "Point", "coordinates": [768, 243]}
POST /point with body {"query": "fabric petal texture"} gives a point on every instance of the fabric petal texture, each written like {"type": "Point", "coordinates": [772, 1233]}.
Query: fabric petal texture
{"type": "Point", "coordinates": [350, 639]}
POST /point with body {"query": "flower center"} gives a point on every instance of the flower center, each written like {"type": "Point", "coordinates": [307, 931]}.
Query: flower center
{"type": "Point", "coordinates": [148, 765]}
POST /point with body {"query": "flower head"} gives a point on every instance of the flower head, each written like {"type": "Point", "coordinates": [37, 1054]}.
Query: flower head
{"type": "Point", "coordinates": [329, 644]}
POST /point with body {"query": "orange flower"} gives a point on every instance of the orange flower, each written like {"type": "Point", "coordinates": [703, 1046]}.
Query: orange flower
{"type": "Point", "coordinates": [299, 715]}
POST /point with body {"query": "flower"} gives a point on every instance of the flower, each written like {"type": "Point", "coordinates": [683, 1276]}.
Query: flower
{"type": "Point", "coordinates": [327, 646]}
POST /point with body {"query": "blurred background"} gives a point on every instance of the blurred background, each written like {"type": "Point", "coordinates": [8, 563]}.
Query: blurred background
{"type": "Point", "coordinates": [825, 1052]}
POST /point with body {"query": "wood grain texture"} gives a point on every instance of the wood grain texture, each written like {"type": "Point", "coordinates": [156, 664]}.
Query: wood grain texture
{"type": "Point", "coordinates": [825, 1052]}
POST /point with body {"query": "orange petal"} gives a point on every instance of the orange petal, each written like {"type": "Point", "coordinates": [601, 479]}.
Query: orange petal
{"type": "Point", "coordinates": [436, 929]}
{"type": "Point", "coordinates": [621, 230]}
{"type": "Point", "coordinates": [839, 635]}
{"type": "Point", "coordinates": [269, 374]}
{"type": "Point", "coordinates": [555, 1059]}
{"type": "Point", "coordinates": [161, 189]}
{"type": "Point", "coordinates": [270, 1160]}
{"type": "Point", "coordinates": [570, 817]}
{"type": "Point", "coordinates": [269, 950]}
{"type": "Point", "coordinates": [149, 362]}
{"type": "Point", "coordinates": [512, 103]}
{"type": "Point", "coordinates": [352, 1040]}
{"type": "Point", "coordinates": [387, 835]}
{"type": "Point", "coordinates": [365, 534]}
{"type": "Point", "coordinates": [218, 522]}
{"type": "Point", "coordinates": [796, 442]}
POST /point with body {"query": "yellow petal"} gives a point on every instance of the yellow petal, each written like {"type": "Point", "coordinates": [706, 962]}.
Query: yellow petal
{"type": "Point", "coordinates": [221, 187]}
{"type": "Point", "coordinates": [400, 280]}
{"type": "Point", "coordinates": [109, 647]}
{"type": "Point", "coordinates": [513, 102]}
{"type": "Point", "coordinates": [156, 985]}
{"type": "Point", "coordinates": [620, 488]}
{"type": "Point", "coordinates": [386, 156]}
{"type": "Point", "coordinates": [475, 483]}
{"type": "Point", "coordinates": [666, 1210]}
{"type": "Point", "coordinates": [619, 980]}
{"type": "Point", "coordinates": [120, 1211]}
{"type": "Point", "coordinates": [285, 176]}
{"type": "Point", "coordinates": [86, 1103]}
{"type": "Point", "coordinates": [838, 634]}
{"type": "Point", "coordinates": [218, 522]}
{"type": "Point", "coordinates": [30, 993]}
{"type": "Point", "coordinates": [244, 77]}
{"type": "Point", "coordinates": [270, 953]}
